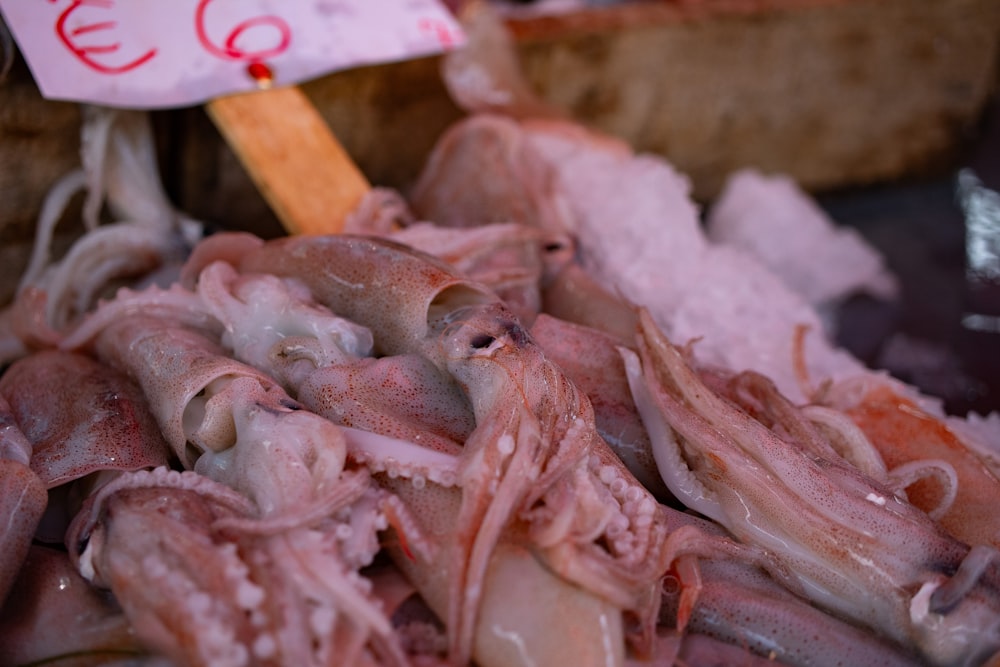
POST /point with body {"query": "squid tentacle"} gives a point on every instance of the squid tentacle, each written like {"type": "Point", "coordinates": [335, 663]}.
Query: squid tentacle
{"type": "Point", "coordinates": [940, 470]}
{"type": "Point", "coordinates": [676, 473]}
{"type": "Point", "coordinates": [848, 440]}
{"type": "Point", "coordinates": [972, 568]}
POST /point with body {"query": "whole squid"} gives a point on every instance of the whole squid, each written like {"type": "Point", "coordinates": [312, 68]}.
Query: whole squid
{"type": "Point", "coordinates": [325, 361]}
{"type": "Point", "coordinates": [821, 526]}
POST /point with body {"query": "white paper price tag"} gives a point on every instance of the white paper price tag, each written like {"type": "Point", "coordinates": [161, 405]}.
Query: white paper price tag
{"type": "Point", "coordinates": [169, 53]}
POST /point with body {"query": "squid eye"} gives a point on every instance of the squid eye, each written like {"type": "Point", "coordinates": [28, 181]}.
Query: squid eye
{"type": "Point", "coordinates": [482, 341]}
{"type": "Point", "coordinates": [516, 333]}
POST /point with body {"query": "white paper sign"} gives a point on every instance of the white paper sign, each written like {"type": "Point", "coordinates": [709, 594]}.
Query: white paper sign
{"type": "Point", "coordinates": [169, 53]}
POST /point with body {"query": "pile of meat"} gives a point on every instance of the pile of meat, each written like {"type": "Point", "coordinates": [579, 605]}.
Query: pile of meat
{"type": "Point", "coordinates": [529, 414]}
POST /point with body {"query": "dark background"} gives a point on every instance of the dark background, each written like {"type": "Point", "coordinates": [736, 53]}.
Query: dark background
{"type": "Point", "coordinates": [920, 228]}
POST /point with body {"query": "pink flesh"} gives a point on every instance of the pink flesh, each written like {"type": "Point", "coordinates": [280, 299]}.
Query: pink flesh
{"type": "Point", "coordinates": [483, 171]}
{"type": "Point", "coordinates": [81, 417]}
{"type": "Point", "coordinates": [53, 611]}
{"type": "Point", "coordinates": [14, 445]}
{"type": "Point", "coordinates": [227, 247]}
{"type": "Point", "coordinates": [591, 361]}
{"type": "Point", "coordinates": [385, 286]}
{"type": "Point", "coordinates": [173, 364]}
{"type": "Point", "coordinates": [402, 396]}
{"type": "Point", "coordinates": [155, 549]}
{"type": "Point", "coordinates": [510, 258]}
{"type": "Point", "coordinates": [22, 502]}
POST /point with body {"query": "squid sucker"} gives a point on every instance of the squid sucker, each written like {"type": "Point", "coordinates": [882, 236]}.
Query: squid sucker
{"type": "Point", "coordinates": [819, 525]}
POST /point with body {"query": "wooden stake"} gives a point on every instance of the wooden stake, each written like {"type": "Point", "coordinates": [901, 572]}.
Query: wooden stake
{"type": "Point", "coordinates": [289, 151]}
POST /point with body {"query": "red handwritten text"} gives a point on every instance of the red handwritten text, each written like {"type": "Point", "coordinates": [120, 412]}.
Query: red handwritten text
{"type": "Point", "coordinates": [153, 54]}
{"type": "Point", "coordinates": [104, 54]}
{"type": "Point", "coordinates": [230, 49]}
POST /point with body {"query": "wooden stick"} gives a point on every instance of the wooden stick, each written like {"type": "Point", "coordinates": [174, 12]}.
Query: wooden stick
{"type": "Point", "coordinates": [297, 163]}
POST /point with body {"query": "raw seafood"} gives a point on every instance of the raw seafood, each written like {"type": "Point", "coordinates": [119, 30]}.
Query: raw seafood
{"type": "Point", "coordinates": [65, 417]}
{"type": "Point", "coordinates": [534, 457]}
{"type": "Point", "coordinates": [592, 361]}
{"type": "Point", "coordinates": [739, 603]}
{"type": "Point", "coordinates": [49, 594]}
{"type": "Point", "coordinates": [827, 531]}
{"type": "Point", "coordinates": [147, 238]}
{"type": "Point", "coordinates": [201, 588]}
{"type": "Point", "coordinates": [531, 466]}
{"type": "Point", "coordinates": [80, 417]}
{"type": "Point", "coordinates": [742, 316]}
{"type": "Point", "coordinates": [905, 433]}
{"type": "Point", "coordinates": [22, 498]}
{"type": "Point", "coordinates": [538, 500]}
{"type": "Point", "coordinates": [235, 425]}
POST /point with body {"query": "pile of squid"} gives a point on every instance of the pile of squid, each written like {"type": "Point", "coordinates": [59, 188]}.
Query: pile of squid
{"type": "Point", "coordinates": [459, 442]}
